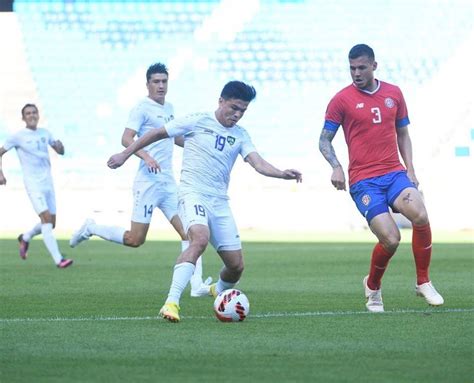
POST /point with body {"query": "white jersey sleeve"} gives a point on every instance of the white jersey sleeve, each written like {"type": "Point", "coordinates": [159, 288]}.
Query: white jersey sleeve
{"type": "Point", "coordinates": [183, 125]}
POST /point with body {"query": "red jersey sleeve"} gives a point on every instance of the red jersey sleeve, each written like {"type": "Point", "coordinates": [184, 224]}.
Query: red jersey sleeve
{"type": "Point", "coordinates": [334, 114]}
{"type": "Point", "coordinates": [402, 111]}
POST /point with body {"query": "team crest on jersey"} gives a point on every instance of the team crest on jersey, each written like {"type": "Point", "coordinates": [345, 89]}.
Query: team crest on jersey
{"type": "Point", "coordinates": [231, 140]}
{"type": "Point", "coordinates": [389, 103]}
{"type": "Point", "coordinates": [366, 199]}
{"type": "Point", "coordinates": [43, 139]}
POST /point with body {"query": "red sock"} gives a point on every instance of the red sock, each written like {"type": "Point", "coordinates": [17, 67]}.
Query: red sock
{"type": "Point", "coordinates": [378, 264]}
{"type": "Point", "coordinates": [421, 245]}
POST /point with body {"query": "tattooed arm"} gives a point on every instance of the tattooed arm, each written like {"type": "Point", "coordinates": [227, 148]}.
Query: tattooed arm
{"type": "Point", "coordinates": [338, 178]}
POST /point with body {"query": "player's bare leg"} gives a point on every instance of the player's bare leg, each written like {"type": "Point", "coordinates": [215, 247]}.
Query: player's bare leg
{"type": "Point", "coordinates": [199, 288]}
{"type": "Point", "coordinates": [386, 231]}
{"type": "Point", "coordinates": [136, 236]}
{"type": "Point", "coordinates": [185, 264]}
{"type": "Point", "coordinates": [25, 238]}
{"type": "Point", "coordinates": [410, 204]}
{"type": "Point", "coordinates": [230, 273]}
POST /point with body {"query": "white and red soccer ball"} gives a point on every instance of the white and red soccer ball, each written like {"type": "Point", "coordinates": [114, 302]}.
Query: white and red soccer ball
{"type": "Point", "coordinates": [231, 306]}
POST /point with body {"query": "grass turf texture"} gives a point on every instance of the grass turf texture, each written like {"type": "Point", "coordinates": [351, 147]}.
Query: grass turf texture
{"type": "Point", "coordinates": [96, 321]}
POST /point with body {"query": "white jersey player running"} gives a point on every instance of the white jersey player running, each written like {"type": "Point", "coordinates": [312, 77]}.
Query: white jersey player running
{"type": "Point", "coordinates": [212, 143]}
{"type": "Point", "coordinates": [31, 145]}
{"type": "Point", "coordinates": [154, 185]}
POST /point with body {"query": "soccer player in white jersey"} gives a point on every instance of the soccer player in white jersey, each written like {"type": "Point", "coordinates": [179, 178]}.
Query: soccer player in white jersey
{"type": "Point", "coordinates": [154, 185]}
{"type": "Point", "coordinates": [31, 145]}
{"type": "Point", "coordinates": [212, 142]}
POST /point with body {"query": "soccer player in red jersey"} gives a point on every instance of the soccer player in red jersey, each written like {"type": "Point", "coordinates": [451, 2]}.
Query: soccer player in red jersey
{"type": "Point", "coordinates": [374, 118]}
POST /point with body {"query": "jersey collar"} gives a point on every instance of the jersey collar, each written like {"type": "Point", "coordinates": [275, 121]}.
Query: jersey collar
{"type": "Point", "coordinates": [368, 91]}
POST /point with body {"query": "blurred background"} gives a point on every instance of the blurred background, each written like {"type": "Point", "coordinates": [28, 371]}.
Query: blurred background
{"type": "Point", "coordinates": [84, 62]}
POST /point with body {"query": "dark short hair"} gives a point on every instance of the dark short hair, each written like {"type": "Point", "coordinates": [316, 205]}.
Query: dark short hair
{"type": "Point", "coordinates": [156, 68]}
{"type": "Point", "coordinates": [28, 106]}
{"type": "Point", "coordinates": [360, 50]}
{"type": "Point", "coordinates": [238, 90]}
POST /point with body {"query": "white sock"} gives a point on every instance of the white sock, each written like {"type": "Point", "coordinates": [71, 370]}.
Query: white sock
{"type": "Point", "coordinates": [222, 285]}
{"type": "Point", "coordinates": [197, 276]}
{"type": "Point", "coordinates": [109, 233]}
{"type": "Point", "coordinates": [181, 275]}
{"type": "Point", "coordinates": [27, 236]}
{"type": "Point", "coordinates": [198, 270]}
{"type": "Point", "coordinates": [50, 242]}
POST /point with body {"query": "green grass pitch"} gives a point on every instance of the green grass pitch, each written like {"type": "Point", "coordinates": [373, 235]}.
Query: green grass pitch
{"type": "Point", "coordinates": [97, 320]}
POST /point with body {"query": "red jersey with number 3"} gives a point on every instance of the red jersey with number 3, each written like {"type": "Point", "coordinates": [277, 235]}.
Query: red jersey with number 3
{"type": "Point", "coordinates": [369, 121]}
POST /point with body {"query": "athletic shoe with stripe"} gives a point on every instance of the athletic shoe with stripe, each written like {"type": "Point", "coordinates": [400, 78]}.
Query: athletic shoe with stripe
{"type": "Point", "coordinates": [170, 312]}
{"type": "Point", "coordinates": [427, 291]}
{"type": "Point", "coordinates": [82, 234]}
{"type": "Point", "coordinates": [200, 288]}
{"type": "Point", "coordinates": [213, 290]}
{"type": "Point", "coordinates": [65, 263]}
{"type": "Point", "coordinates": [23, 247]}
{"type": "Point", "coordinates": [374, 298]}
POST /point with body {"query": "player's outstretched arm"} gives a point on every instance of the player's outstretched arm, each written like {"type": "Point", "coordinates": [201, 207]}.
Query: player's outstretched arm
{"type": "Point", "coordinates": [3, 180]}
{"type": "Point", "coordinates": [128, 138]}
{"type": "Point", "coordinates": [326, 148]}
{"type": "Point", "coordinates": [58, 147]}
{"type": "Point", "coordinates": [179, 141]}
{"type": "Point", "coordinates": [153, 135]}
{"type": "Point", "coordinates": [267, 169]}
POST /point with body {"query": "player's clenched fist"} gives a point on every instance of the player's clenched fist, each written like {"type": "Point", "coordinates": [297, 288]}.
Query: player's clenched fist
{"type": "Point", "coordinates": [116, 160]}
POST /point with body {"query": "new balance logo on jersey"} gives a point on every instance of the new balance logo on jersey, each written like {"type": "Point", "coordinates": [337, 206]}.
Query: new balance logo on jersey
{"type": "Point", "coordinates": [360, 105]}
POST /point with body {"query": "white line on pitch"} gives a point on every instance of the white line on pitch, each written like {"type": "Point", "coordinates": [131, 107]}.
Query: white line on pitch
{"type": "Point", "coordinates": [262, 315]}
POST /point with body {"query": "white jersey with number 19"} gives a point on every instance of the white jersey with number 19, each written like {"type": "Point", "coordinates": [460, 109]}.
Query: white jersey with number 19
{"type": "Point", "coordinates": [210, 151]}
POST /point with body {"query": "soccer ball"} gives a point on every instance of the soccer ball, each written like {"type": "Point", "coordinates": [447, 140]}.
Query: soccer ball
{"type": "Point", "coordinates": [231, 306]}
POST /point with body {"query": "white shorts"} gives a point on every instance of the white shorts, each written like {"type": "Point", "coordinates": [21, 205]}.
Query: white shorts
{"type": "Point", "coordinates": [43, 200]}
{"type": "Point", "coordinates": [213, 212]}
{"type": "Point", "coordinates": [147, 196]}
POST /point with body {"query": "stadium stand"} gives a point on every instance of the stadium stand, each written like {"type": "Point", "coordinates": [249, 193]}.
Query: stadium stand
{"type": "Point", "coordinates": [83, 62]}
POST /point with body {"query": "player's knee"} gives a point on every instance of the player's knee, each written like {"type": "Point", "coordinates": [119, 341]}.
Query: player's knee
{"type": "Point", "coordinates": [421, 218]}
{"type": "Point", "coordinates": [200, 244]}
{"type": "Point", "coordinates": [198, 240]}
{"type": "Point", "coordinates": [237, 267]}
{"type": "Point", "coordinates": [391, 242]}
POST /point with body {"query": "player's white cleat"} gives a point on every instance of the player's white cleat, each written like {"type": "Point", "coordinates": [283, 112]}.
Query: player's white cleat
{"type": "Point", "coordinates": [200, 288]}
{"type": "Point", "coordinates": [82, 234]}
{"type": "Point", "coordinates": [374, 298]}
{"type": "Point", "coordinates": [430, 294]}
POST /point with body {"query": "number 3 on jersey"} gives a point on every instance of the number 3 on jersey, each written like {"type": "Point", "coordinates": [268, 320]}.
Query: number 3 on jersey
{"type": "Point", "coordinates": [377, 116]}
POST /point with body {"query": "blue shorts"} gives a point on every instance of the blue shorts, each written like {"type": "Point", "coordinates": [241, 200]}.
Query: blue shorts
{"type": "Point", "coordinates": [374, 195]}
